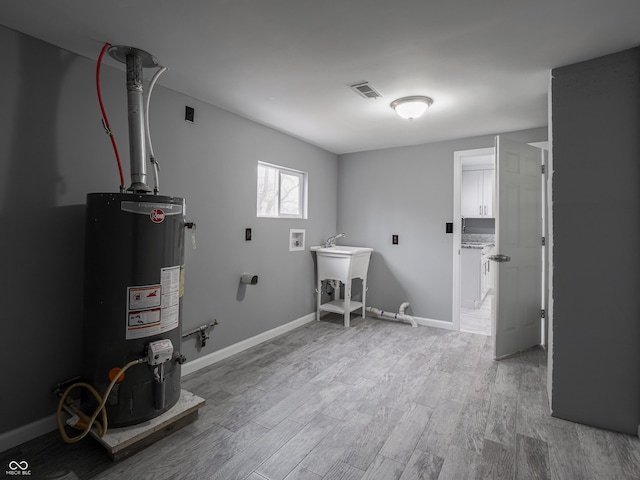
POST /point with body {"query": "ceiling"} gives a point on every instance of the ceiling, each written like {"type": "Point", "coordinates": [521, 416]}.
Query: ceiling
{"type": "Point", "coordinates": [288, 64]}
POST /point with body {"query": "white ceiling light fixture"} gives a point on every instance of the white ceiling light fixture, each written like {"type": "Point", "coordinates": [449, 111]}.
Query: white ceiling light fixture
{"type": "Point", "coordinates": [411, 107]}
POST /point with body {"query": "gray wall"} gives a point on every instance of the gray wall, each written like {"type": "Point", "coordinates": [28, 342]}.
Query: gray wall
{"type": "Point", "coordinates": [596, 225]}
{"type": "Point", "coordinates": [407, 191]}
{"type": "Point", "coordinates": [53, 151]}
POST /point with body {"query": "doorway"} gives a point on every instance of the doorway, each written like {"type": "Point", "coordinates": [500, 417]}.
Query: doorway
{"type": "Point", "coordinates": [474, 240]}
{"type": "Point", "coordinates": [518, 303]}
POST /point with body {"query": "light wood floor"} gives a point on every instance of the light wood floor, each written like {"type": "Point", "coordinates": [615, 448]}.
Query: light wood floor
{"type": "Point", "coordinates": [477, 320]}
{"type": "Point", "coordinates": [380, 400]}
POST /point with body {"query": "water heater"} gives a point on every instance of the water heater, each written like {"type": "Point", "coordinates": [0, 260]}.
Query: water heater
{"type": "Point", "coordinates": [134, 282]}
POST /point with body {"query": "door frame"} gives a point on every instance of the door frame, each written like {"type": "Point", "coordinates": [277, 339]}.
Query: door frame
{"type": "Point", "coordinates": [546, 231]}
{"type": "Point", "coordinates": [544, 147]}
{"type": "Point", "coordinates": [458, 156]}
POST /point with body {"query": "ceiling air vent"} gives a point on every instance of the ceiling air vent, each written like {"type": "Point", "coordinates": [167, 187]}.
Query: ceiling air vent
{"type": "Point", "coordinates": [365, 90]}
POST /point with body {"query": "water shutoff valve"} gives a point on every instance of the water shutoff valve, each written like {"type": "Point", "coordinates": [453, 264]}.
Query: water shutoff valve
{"type": "Point", "coordinates": [160, 351]}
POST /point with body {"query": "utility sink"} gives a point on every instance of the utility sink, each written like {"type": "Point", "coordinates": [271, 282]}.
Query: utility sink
{"type": "Point", "coordinates": [341, 263]}
{"type": "Point", "coordinates": [341, 250]}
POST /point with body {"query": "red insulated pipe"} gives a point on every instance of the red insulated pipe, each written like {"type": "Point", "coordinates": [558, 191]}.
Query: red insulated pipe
{"type": "Point", "coordinates": [105, 120]}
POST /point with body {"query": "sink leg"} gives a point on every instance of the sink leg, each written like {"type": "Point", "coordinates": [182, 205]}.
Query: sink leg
{"type": "Point", "coordinates": [318, 300]}
{"type": "Point", "coordinates": [364, 296]}
{"type": "Point", "coordinates": [347, 304]}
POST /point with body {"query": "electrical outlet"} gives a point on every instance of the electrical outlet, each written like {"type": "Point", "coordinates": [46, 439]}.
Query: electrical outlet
{"type": "Point", "coordinates": [189, 114]}
{"type": "Point", "coordinates": [394, 239]}
{"type": "Point", "coordinates": [449, 227]}
{"type": "Point", "coordinates": [247, 234]}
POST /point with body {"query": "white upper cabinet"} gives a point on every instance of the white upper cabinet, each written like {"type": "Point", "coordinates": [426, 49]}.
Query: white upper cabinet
{"type": "Point", "coordinates": [477, 193]}
{"type": "Point", "coordinates": [470, 203]}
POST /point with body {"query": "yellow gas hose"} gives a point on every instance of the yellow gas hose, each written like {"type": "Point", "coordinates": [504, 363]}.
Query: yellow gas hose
{"type": "Point", "coordinates": [84, 419]}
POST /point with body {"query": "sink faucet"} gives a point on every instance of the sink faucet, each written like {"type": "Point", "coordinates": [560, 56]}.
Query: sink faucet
{"type": "Point", "coordinates": [331, 241]}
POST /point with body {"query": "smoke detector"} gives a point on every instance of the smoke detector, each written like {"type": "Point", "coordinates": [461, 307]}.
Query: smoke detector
{"type": "Point", "coordinates": [365, 90]}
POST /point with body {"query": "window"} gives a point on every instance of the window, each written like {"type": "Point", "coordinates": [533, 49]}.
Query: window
{"type": "Point", "coordinates": [282, 192]}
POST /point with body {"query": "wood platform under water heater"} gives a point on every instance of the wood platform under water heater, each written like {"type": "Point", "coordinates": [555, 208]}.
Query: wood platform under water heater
{"type": "Point", "coordinates": [125, 441]}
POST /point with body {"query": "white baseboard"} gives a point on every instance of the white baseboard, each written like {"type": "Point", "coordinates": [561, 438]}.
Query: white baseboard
{"type": "Point", "coordinates": [22, 434]}
{"type": "Point", "coordinates": [425, 322]}
{"type": "Point", "coordinates": [47, 424]}
{"type": "Point", "coordinates": [430, 322]}
{"type": "Point", "coordinates": [215, 357]}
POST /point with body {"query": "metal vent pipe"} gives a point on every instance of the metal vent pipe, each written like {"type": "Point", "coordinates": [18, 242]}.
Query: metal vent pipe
{"type": "Point", "coordinates": [135, 61]}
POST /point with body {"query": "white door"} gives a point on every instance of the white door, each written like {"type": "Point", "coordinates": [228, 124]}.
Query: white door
{"type": "Point", "coordinates": [517, 302]}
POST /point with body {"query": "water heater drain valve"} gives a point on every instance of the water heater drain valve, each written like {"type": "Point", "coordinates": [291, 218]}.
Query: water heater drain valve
{"type": "Point", "coordinates": [160, 351]}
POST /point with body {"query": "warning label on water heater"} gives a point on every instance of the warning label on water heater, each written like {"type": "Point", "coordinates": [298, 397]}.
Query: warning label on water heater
{"type": "Point", "coordinates": [154, 309]}
{"type": "Point", "coordinates": [144, 297]}
{"type": "Point", "coordinates": [143, 318]}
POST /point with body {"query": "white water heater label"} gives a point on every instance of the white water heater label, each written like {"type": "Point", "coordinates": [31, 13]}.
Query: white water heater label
{"type": "Point", "coordinates": [153, 309]}
{"type": "Point", "coordinates": [170, 280]}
